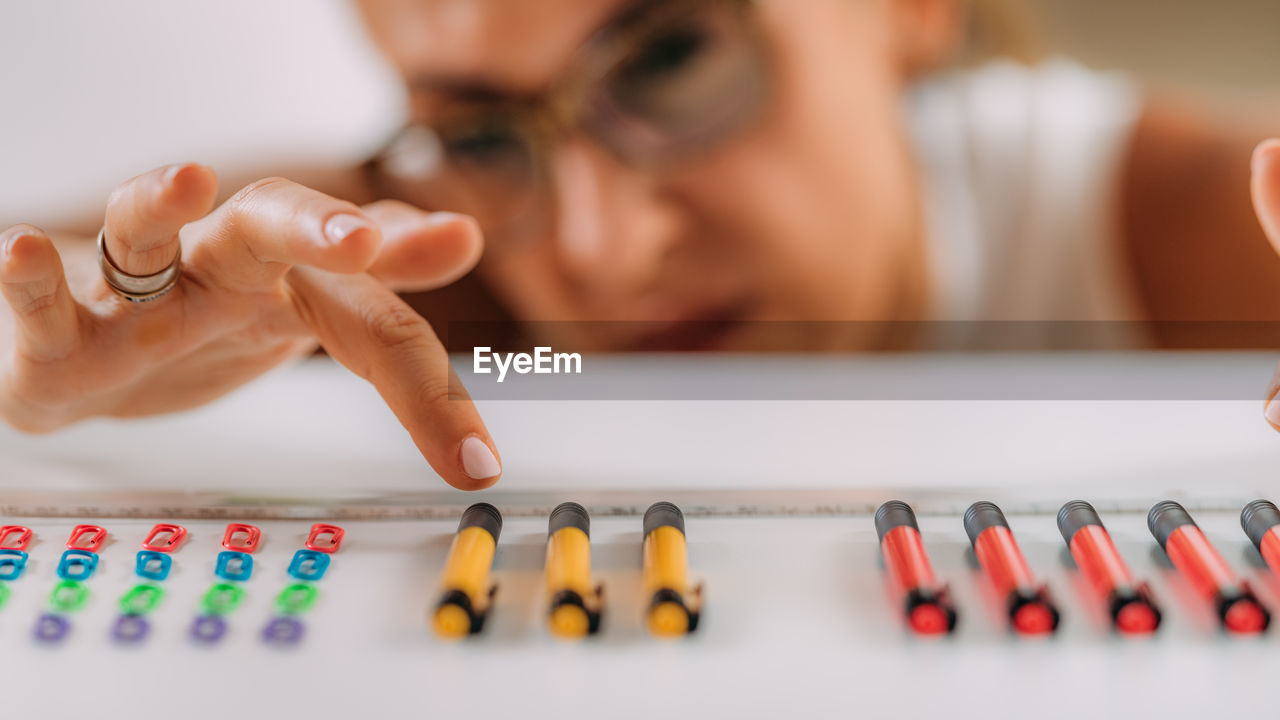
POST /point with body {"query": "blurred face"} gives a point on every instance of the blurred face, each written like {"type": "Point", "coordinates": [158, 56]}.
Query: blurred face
{"type": "Point", "coordinates": [767, 177]}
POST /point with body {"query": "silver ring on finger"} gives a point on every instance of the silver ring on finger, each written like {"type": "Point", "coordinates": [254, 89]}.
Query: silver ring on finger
{"type": "Point", "coordinates": [137, 288]}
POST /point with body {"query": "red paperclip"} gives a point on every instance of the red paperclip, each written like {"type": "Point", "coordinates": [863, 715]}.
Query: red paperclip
{"type": "Point", "coordinates": [23, 533]}
{"type": "Point", "coordinates": [95, 537]}
{"type": "Point", "coordinates": [250, 542]}
{"type": "Point", "coordinates": [158, 542]}
{"type": "Point", "coordinates": [318, 531]}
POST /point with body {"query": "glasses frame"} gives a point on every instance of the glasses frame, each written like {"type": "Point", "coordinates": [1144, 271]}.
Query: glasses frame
{"type": "Point", "coordinates": [543, 120]}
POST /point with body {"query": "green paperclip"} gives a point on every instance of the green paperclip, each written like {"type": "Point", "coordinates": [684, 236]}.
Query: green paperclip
{"type": "Point", "coordinates": [222, 598]}
{"type": "Point", "coordinates": [68, 596]}
{"type": "Point", "coordinates": [4, 593]}
{"type": "Point", "coordinates": [296, 598]}
{"type": "Point", "coordinates": [141, 599]}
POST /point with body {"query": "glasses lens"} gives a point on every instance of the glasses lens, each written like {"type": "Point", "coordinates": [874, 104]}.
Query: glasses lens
{"type": "Point", "coordinates": [480, 165]}
{"type": "Point", "coordinates": [687, 78]}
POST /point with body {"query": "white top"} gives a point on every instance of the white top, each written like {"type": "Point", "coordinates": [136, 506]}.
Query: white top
{"type": "Point", "coordinates": [1020, 167]}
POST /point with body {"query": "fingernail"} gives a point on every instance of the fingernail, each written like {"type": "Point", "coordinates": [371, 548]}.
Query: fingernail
{"type": "Point", "coordinates": [478, 461]}
{"type": "Point", "coordinates": [339, 227]}
{"type": "Point", "coordinates": [1272, 412]}
{"type": "Point", "coordinates": [10, 242]}
{"type": "Point", "coordinates": [442, 217]}
{"type": "Point", "coordinates": [172, 173]}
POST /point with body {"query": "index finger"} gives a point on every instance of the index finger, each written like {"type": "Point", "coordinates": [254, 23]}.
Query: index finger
{"type": "Point", "coordinates": [145, 214]}
{"type": "Point", "coordinates": [376, 335]}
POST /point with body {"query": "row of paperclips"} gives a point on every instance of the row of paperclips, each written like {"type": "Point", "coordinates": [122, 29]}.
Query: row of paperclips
{"type": "Point", "coordinates": [153, 564]}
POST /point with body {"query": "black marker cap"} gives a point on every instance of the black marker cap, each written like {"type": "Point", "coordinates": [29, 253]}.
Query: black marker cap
{"type": "Point", "coordinates": [980, 516]}
{"type": "Point", "coordinates": [1075, 515]}
{"type": "Point", "coordinates": [663, 514]}
{"type": "Point", "coordinates": [569, 514]}
{"type": "Point", "coordinates": [1165, 517]}
{"type": "Point", "coordinates": [892, 514]}
{"type": "Point", "coordinates": [1257, 518]}
{"type": "Point", "coordinates": [482, 515]}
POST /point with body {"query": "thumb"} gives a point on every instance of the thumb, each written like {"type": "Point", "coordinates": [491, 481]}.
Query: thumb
{"type": "Point", "coordinates": [422, 250]}
{"type": "Point", "coordinates": [1266, 189]}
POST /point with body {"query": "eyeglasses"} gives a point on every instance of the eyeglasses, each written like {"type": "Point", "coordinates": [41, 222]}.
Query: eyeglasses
{"type": "Point", "coordinates": [667, 80]}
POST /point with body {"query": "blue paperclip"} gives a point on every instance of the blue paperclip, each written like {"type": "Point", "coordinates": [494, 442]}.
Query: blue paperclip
{"type": "Point", "coordinates": [283, 631]}
{"type": "Point", "coordinates": [241, 572]}
{"type": "Point", "coordinates": [130, 629]}
{"type": "Point", "coordinates": [12, 563]}
{"type": "Point", "coordinates": [77, 564]}
{"type": "Point", "coordinates": [308, 565]}
{"type": "Point", "coordinates": [147, 558]}
{"type": "Point", "coordinates": [208, 629]}
{"type": "Point", "coordinates": [51, 628]}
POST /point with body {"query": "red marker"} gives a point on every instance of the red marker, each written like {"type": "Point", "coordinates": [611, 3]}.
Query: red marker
{"type": "Point", "coordinates": [1031, 612]}
{"type": "Point", "coordinates": [1261, 522]}
{"type": "Point", "coordinates": [927, 605]}
{"type": "Point", "coordinates": [1189, 551]}
{"type": "Point", "coordinates": [1133, 609]}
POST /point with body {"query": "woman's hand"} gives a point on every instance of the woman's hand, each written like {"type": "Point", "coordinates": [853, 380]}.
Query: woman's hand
{"type": "Point", "coordinates": [268, 275]}
{"type": "Point", "coordinates": [1266, 201]}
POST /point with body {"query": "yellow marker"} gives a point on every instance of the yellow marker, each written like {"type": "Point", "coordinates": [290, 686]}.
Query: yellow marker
{"type": "Point", "coordinates": [575, 604]}
{"type": "Point", "coordinates": [467, 594]}
{"type": "Point", "coordinates": [666, 573]}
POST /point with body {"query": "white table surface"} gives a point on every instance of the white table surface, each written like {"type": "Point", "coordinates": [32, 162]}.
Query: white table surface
{"type": "Point", "coordinates": [797, 622]}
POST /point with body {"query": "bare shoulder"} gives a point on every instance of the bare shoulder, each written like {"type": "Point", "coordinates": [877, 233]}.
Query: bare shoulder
{"type": "Point", "coordinates": [1192, 241]}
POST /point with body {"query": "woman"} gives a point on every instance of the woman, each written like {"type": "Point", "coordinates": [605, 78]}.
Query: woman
{"type": "Point", "coordinates": [653, 174]}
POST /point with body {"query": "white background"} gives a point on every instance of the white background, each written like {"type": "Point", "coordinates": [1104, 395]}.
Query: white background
{"type": "Point", "coordinates": [96, 92]}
